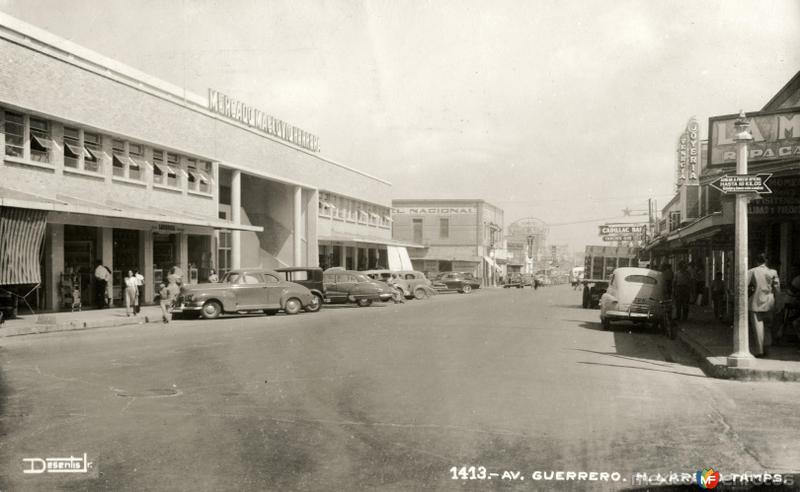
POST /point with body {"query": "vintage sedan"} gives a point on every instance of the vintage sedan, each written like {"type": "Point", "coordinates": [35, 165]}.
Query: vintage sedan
{"type": "Point", "coordinates": [343, 286]}
{"type": "Point", "coordinates": [244, 290]}
{"type": "Point", "coordinates": [633, 294]}
{"type": "Point", "coordinates": [456, 281]}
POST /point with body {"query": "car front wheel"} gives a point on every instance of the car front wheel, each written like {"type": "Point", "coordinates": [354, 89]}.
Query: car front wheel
{"type": "Point", "coordinates": [211, 310]}
{"type": "Point", "coordinates": [466, 289]}
{"type": "Point", "coordinates": [315, 305]}
{"type": "Point", "coordinates": [293, 306]}
{"type": "Point", "coordinates": [364, 302]}
{"type": "Point", "coordinates": [420, 294]}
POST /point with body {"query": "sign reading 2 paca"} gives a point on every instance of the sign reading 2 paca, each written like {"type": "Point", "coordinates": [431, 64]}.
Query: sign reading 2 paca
{"type": "Point", "coordinates": [776, 136]}
{"type": "Point", "coordinates": [784, 200]}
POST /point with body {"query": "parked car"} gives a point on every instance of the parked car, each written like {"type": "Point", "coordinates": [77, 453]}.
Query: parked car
{"type": "Point", "coordinates": [456, 281]}
{"type": "Point", "coordinates": [633, 294]}
{"type": "Point", "coordinates": [419, 287]}
{"type": "Point", "coordinates": [342, 286]}
{"type": "Point", "coordinates": [310, 278]}
{"type": "Point", "coordinates": [527, 280]}
{"type": "Point", "coordinates": [384, 275]}
{"type": "Point", "coordinates": [514, 280]}
{"type": "Point", "coordinates": [244, 290]}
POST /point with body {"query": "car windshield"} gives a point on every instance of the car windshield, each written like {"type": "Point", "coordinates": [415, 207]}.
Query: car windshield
{"type": "Point", "coordinates": [230, 278]}
{"type": "Point", "coordinates": [362, 278]}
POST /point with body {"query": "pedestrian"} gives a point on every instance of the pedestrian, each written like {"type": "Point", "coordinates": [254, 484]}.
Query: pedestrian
{"type": "Point", "coordinates": [700, 296]}
{"type": "Point", "coordinates": [102, 277]}
{"type": "Point", "coordinates": [668, 275]}
{"type": "Point", "coordinates": [397, 292]}
{"type": "Point", "coordinates": [167, 295]}
{"type": "Point", "coordinates": [718, 296]}
{"type": "Point", "coordinates": [762, 284]}
{"type": "Point", "coordinates": [682, 291]}
{"type": "Point", "coordinates": [175, 275]}
{"type": "Point", "coordinates": [139, 291]}
{"type": "Point", "coordinates": [212, 276]}
{"type": "Point", "coordinates": [131, 293]}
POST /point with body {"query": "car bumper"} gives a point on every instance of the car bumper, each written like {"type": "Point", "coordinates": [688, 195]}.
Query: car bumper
{"type": "Point", "coordinates": [187, 308]}
{"type": "Point", "coordinates": [630, 315]}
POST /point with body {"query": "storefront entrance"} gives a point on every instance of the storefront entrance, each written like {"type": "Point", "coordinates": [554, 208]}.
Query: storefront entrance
{"type": "Point", "coordinates": [199, 253]}
{"type": "Point", "coordinates": [80, 255]}
{"type": "Point", "coordinates": [165, 256]}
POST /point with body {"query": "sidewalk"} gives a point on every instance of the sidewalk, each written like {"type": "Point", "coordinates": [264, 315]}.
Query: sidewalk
{"type": "Point", "coordinates": [66, 321]}
{"type": "Point", "coordinates": [712, 342]}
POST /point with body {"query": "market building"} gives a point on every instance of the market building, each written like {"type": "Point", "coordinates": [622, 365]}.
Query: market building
{"type": "Point", "coordinates": [461, 235]}
{"type": "Point", "coordinates": [101, 163]}
{"type": "Point", "coordinates": [697, 225]}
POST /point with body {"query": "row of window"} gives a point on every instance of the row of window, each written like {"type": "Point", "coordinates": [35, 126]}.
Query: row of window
{"type": "Point", "coordinates": [83, 151]}
{"type": "Point", "coordinates": [339, 207]}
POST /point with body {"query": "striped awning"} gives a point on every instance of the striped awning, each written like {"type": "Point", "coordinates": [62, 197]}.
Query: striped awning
{"type": "Point", "coordinates": [21, 234]}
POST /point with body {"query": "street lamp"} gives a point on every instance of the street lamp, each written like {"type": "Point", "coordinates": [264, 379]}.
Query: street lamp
{"type": "Point", "coordinates": [741, 356]}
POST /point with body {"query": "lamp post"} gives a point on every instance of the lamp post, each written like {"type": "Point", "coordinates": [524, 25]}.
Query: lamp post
{"type": "Point", "coordinates": [741, 356]}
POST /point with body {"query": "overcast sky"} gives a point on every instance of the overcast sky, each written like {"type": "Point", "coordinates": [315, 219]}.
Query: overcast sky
{"type": "Point", "coordinates": [568, 111]}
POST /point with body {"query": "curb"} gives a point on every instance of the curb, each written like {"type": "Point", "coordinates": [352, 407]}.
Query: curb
{"type": "Point", "coordinates": [717, 368]}
{"type": "Point", "coordinates": [37, 328]}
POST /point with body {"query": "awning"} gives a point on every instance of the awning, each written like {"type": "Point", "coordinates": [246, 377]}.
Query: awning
{"type": "Point", "coordinates": [21, 234]}
{"type": "Point", "coordinates": [75, 205]}
{"type": "Point", "coordinates": [367, 240]}
{"type": "Point", "coordinates": [74, 149]}
{"type": "Point", "coordinates": [492, 264]}
{"type": "Point", "coordinates": [398, 259]}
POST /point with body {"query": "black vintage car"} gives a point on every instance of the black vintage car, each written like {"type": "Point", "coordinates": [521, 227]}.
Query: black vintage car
{"type": "Point", "coordinates": [456, 281]}
{"type": "Point", "coordinates": [310, 278]}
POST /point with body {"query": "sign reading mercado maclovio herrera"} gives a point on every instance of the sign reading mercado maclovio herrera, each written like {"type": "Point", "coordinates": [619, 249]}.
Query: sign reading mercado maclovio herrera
{"type": "Point", "coordinates": [776, 135]}
{"type": "Point", "coordinates": [234, 109]}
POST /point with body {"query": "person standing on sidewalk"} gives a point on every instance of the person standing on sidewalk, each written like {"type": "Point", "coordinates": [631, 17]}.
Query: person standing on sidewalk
{"type": "Point", "coordinates": [139, 291]}
{"type": "Point", "coordinates": [682, 291]}
{"type": "Point", "coordinates": [102, 276]}
{"type": "Point", "coordinates": [762, 284]}
{"type": "Point", "coordinates": [131, 293]}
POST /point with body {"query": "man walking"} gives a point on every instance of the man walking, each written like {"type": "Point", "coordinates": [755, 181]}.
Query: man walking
{"type": "Point", "coordinates": [762, 283]}
{"type": "Point", "coordinates": [102, 277]}
{"type": "Point", "coordinates": [683, 286]}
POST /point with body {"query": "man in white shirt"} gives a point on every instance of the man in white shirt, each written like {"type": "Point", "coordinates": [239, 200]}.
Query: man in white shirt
{"type": "Point", "coordinates": [140, 288]}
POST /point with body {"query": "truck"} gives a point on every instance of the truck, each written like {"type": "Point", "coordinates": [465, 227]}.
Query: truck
{"type": "Point", "coordinates": [599, 263]}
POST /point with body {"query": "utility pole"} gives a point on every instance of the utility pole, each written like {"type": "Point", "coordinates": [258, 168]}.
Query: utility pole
{"type": "Point", "coordinates": [741, 356]}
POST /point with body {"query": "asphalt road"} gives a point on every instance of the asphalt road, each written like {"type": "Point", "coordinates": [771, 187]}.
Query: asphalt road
{"type": "Point", "coordinates": [387, 397]}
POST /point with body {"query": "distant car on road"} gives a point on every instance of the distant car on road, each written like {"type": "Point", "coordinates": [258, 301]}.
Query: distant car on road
{"type": "Point", "coordinates": [310, 278]}
{"type": "Point", "coordinates": [514, 280]}
{"type": "Point", "coordinates": [343, 286]}
{"type": "Point", "coordinates": [633, 294]}
{"type": "Point", "coordinates": [243, 290]}
{"type": "Point", "coordinates": [456, 281]}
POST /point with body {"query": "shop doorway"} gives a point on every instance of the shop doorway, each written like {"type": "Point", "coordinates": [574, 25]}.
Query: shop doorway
{"type": "Point", "coordinates": [126, 257]}
{"type": "Point", "coordinates": [165, 256]}
{"type": "Point", "coordinates": [199, 258]}
{"type": "Point", "coordinates": [80, 257]}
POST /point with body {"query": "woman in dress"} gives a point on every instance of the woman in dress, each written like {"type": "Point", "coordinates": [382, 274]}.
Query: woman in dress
{"type": "Point", "coordinates": [131, 292]}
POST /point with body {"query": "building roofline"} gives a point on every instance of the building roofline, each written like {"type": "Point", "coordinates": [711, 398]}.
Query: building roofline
{"type": "Point", "coordinates": [38, 39]}
{"type": "Point", "coordinates": [787, 90]}
{"type": "Point", "coordinates": [442, 200]}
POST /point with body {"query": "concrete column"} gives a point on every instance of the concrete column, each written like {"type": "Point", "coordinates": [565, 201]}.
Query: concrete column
{"type": "Point", "coordinates": [146, 262]}
{"type": "Point", "coordinates": [183, 255]}
{"type": "Point", "coordinates": [106, 162]}
{"type": "Point", "coordinates": [54, 265]}
{"type": "Point", "coordinates": [147, 176]}
{"type": "Point", "coordinates": [343, 256]}
{"type": "Point", "coordinates": [297, 226]}
{"type": "Point", "coordinates": [236, 218]}
{"type": "Point", "coordinates": [312, 241]}
{"type": "Point", "coordinates": [355, 257]}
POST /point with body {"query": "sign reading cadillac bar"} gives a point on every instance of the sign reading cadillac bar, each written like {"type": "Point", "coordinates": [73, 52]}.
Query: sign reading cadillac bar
{"type": "Point", "coordinates": [616, 229]}
{"type": "Point", "coordinates": [231, 108]}
{"type": "Point", "coordinates": [776, 135]}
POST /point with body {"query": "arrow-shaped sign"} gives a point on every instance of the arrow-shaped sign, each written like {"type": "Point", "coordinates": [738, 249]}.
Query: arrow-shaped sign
{"type": "Point", "coordinates": [743, 183]}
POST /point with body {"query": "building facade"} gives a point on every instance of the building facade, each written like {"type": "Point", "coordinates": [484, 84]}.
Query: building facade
{"type": "Point", "coordinates": [102, 163]}
{"type": "Point", "coordinates": [455, 235]}
{"type": "Point", "coordinates": [706, 237]}
{"type": "Point", "coordinates": [527, 240]}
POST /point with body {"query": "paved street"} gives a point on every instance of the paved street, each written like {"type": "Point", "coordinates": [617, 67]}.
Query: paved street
{"type": "Point", "coordinates": [387, 397]}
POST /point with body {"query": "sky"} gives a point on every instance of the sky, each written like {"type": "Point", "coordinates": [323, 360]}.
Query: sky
{"type": "Point", "coordinates": [567, 111]}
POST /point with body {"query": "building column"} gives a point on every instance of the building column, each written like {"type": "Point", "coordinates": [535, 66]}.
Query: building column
{"type": "Point", "coordinates": [236, 218]}
{"type": "Point", "coordinates": [355, 257]}
{"type": "Point", "coordinates": [106, 241]}
{"type": "Point", "coordinates": [312, 242]}
{"type": "Point", "coordinates": [54, 265]}
{"type": "Point", "coordinates": [146, 262]}
{"type": "Point", "coordinates": [57, 151]}
{"type": "Point", "coordinates": [183, 256]}
{"type": "Point", "coordinates": [297, 226]}
{"type": "Point", "coordinates": [343, 255]}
